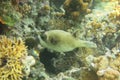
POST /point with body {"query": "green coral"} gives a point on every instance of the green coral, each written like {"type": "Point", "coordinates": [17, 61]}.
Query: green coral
{"type": "Point", "coordinates": [11, 19]}
{"type": "Point", "coordinates": [8, 13]}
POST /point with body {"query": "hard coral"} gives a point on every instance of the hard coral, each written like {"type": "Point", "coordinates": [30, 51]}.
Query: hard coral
{"type": "Point", "coordinates": [8, 14]}
{"type": "Point", "coordinates": [115, 64]}
{"type": "Point", "coordinates": [101, 62]}
{"type": "Point", "coordinates": [11, 54]}
{"type": "Point", "coordinates": [107, 68]}
{"type": "Point", "coordinates": [115, 14]}
{"type": "Point", "coordinates": [75, 8]}
{"type": "Point", "coordinates": [109, 74]}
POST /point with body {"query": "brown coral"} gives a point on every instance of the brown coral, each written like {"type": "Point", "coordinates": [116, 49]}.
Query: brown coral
{"type": "Point", "coordinates": [75, 8]}
{"type": "Point", "coordinates": [11, 54]}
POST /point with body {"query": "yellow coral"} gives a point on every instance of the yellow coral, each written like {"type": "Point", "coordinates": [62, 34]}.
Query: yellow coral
{"type": "Point", "coordinates": [101, 62]}
{"type": "Point", "coordinates": [96, 25]}
{"type": "Point", "coordinates": [115, 14]}
{"type": "Point", "coordinates": [107, 68]}
{"type": "Point", "coordinates": [115, 64]}
{"type": "Point", "coordinates": [109, 74]}
{"type": "Point", "coordinates": [11, 54]}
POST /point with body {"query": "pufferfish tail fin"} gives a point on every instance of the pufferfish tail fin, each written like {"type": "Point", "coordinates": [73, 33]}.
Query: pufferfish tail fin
{"type": "Point", "coordinates": [87, 44]}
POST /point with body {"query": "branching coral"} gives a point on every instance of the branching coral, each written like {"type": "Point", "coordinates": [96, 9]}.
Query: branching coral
{"type": "Point", "coordinates": [11, 54]}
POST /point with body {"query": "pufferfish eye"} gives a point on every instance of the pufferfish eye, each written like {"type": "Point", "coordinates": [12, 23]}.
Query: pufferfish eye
{"type": "Point", "coordinates": [44, 36]}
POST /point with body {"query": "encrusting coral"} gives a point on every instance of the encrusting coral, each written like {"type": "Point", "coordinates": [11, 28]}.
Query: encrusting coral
{"type": "Point", "coordinates": [115, 14]}
{"type": "Point", "coordinates": [8, 14]}
{"type": "Point", "coordinates": [12, 51]}
{"type": "Point", "coordinates": [115, 63]}
{"type": "Point", "coordinates": [107, 68]}
{"type": "Point", "coordinates": [109, 74]}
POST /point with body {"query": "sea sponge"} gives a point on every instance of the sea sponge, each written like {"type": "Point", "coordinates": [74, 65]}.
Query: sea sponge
{"type": "Point", "coordinates": [12, 51]}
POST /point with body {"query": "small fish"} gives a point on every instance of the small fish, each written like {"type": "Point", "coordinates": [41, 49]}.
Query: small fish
{"type": "Point", "coordinates": [62, 41]}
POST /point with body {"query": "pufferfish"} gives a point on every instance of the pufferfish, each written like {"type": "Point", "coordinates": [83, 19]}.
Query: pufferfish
{"type": "Point", "coordinates": [62, 41]}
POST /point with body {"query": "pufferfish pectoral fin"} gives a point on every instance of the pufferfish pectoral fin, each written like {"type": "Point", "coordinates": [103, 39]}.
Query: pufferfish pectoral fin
{"type": "Point", "coordinates": [81, 43]}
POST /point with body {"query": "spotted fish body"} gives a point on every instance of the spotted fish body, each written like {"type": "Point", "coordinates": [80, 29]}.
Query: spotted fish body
{"type": "Point", "coordinates": [61, 41]}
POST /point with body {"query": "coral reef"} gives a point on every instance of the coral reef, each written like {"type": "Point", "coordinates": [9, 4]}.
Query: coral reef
{"type": "Point", "coordinates": [115, 63]}
{"type": "Point", "coordinates": [76, 74]}
{"type": "Point", "coordinates": [115, 14]}
{"type": "Point", "coordinates": [76, 8]}
{"type": "Point", "coordinates": [31, 18]}
{"type": "Point", "coordinates": [14, 60]}
{"type": "Point", "coordinates": [11, 54]}
{"type": "Point", "coordinates": [25, 9]}
{"type": "Point", "coordinates": [28, 62]}
{"type": "Point", "coordinates": [13, 11]}
{"type": "Point", "coordinates": [60, 23]}
{"type": "Point", "coordinates": [107, 67]}
{"type": "Point", "coordinates": [8, 14]}
{"type": "Point", "coordinates": [108, 74]}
